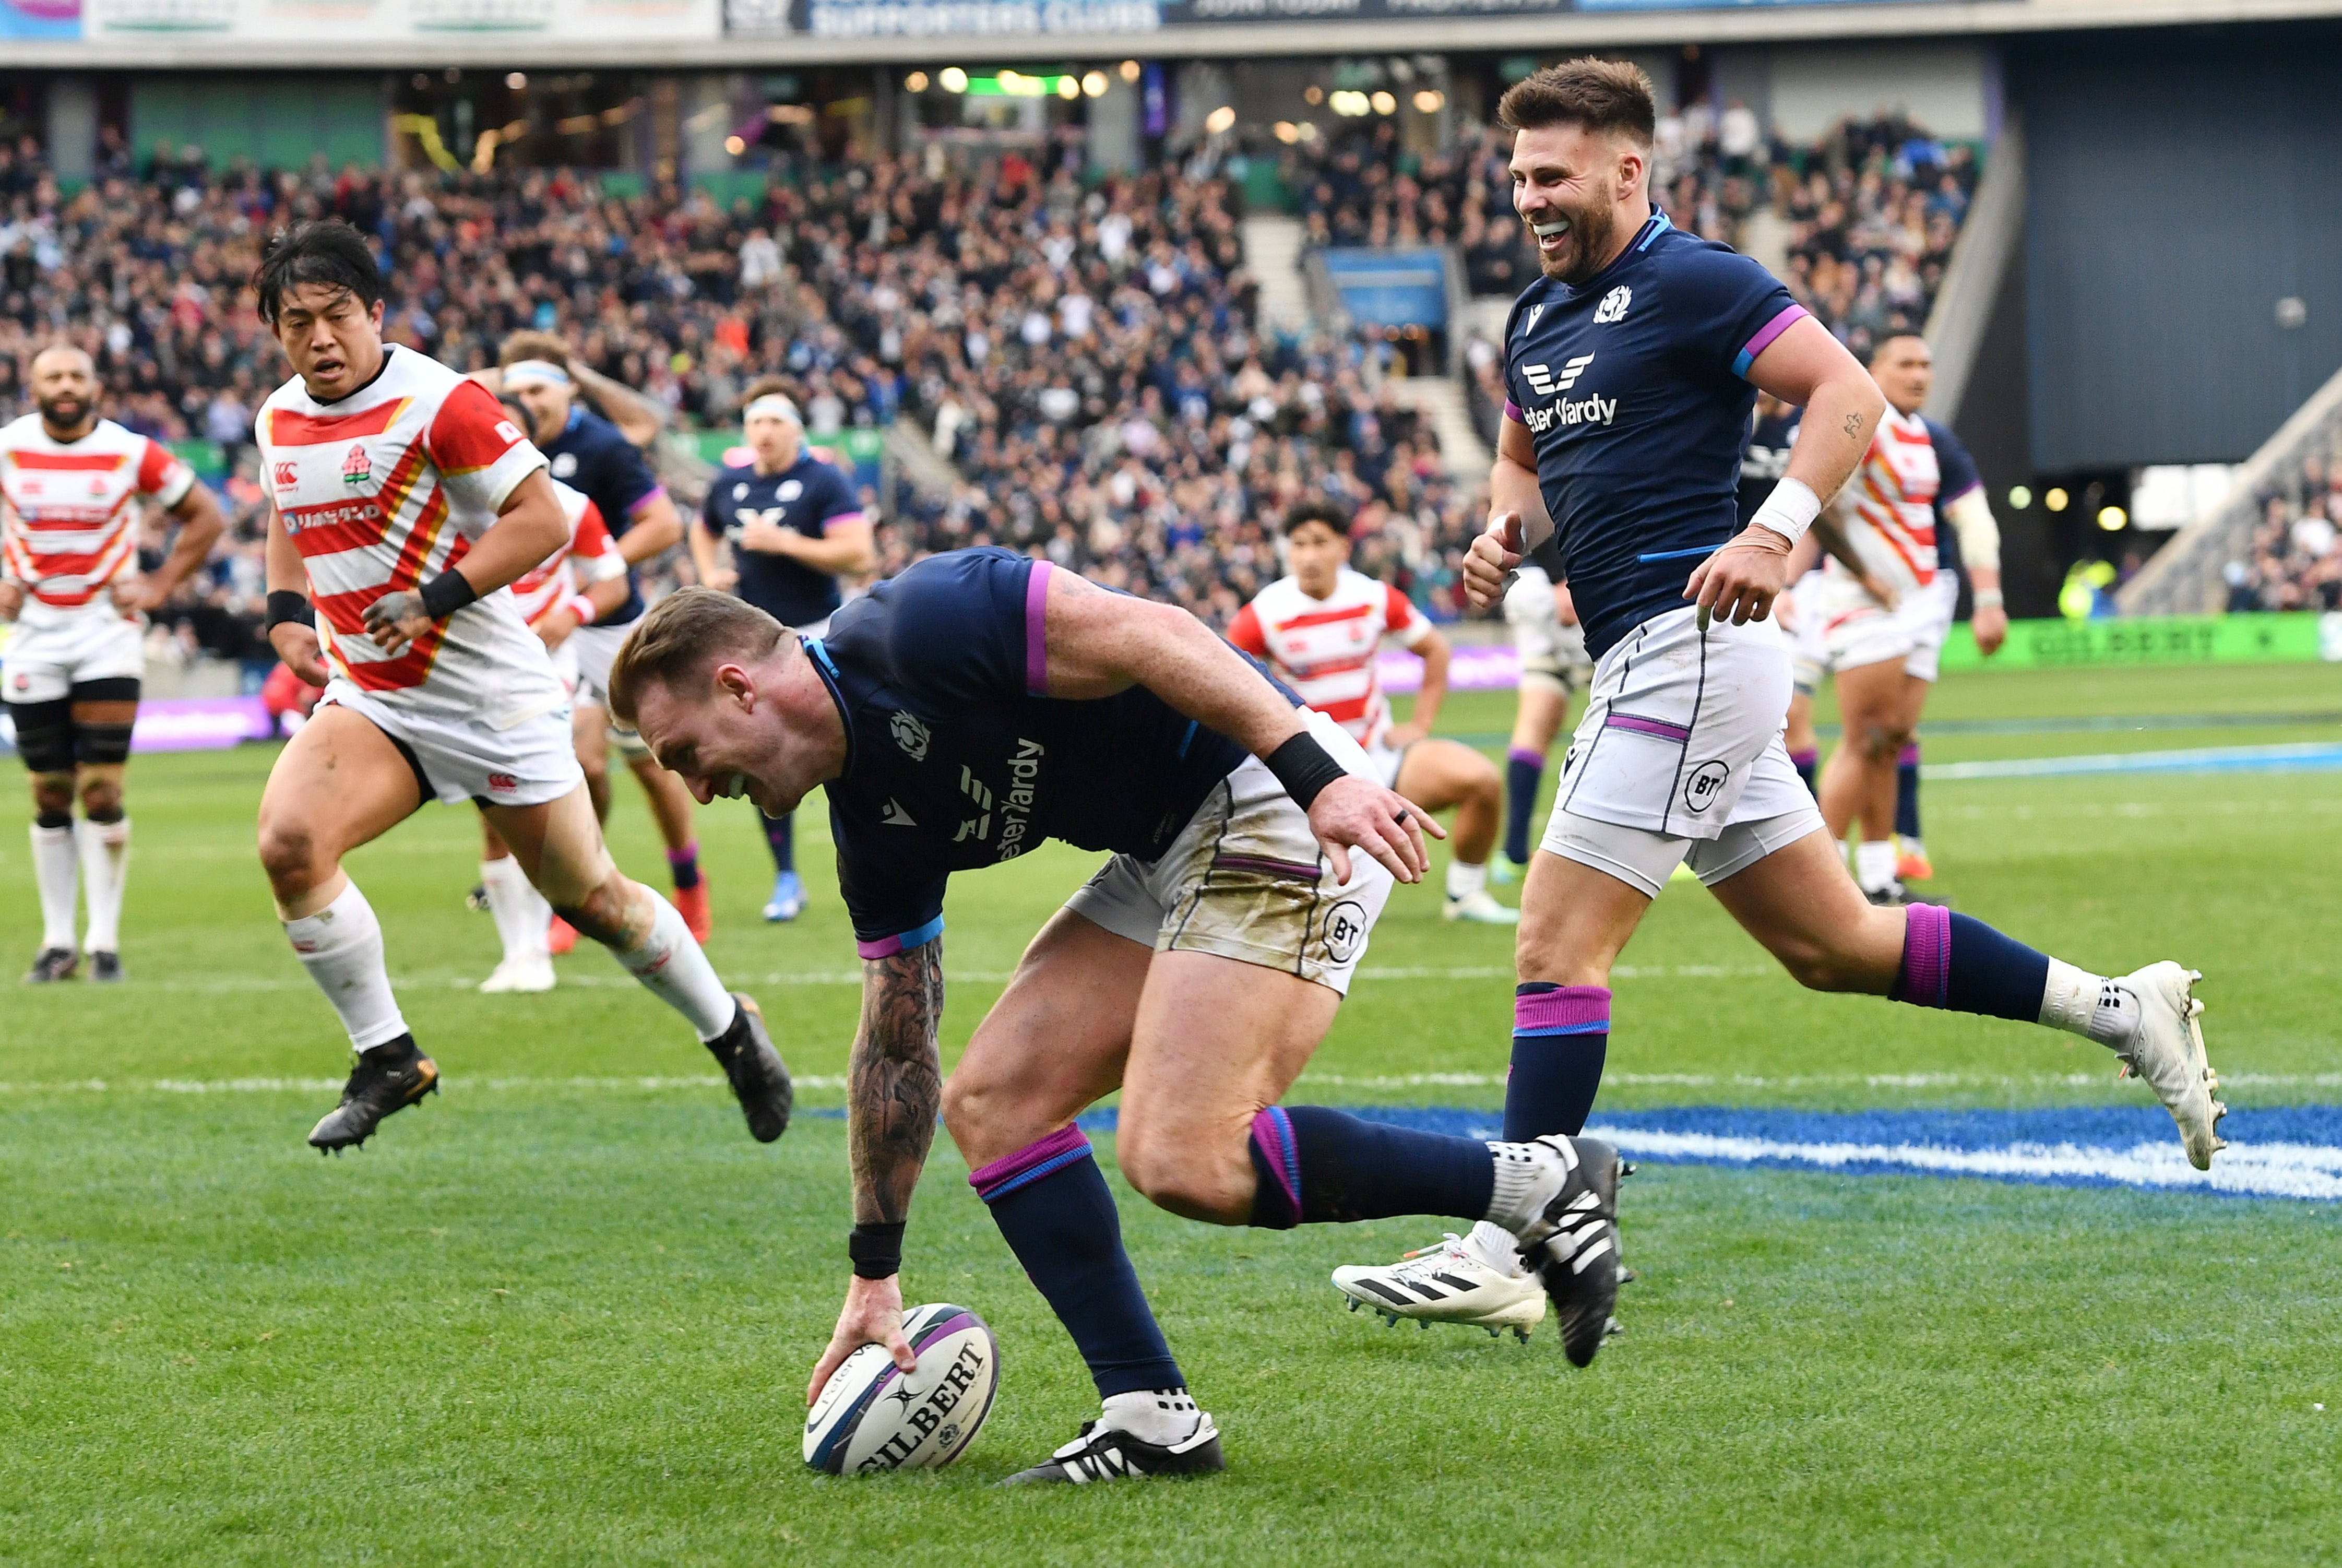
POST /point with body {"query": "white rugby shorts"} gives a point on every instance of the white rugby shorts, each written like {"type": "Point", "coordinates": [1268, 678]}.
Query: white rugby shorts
{"type": "Point", "coordinates": [528, 763]}
{"type": "Point", "coordinates": [1857, 630]}
{"type": "Point", "coordinates": [52, 651]}
{"type": "Point", "coordinates": [1679, 756]}
{"type": "Point", "coordinates": [1245, 879]}
{"type": "Point", "coordinates": [1551, 654]}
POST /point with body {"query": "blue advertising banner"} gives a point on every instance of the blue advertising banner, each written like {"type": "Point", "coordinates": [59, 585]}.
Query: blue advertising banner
{"type": "Point", "coordinates": [47, 19]}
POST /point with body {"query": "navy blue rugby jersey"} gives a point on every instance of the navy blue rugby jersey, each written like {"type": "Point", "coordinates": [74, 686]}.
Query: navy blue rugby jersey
{"type": "Point", "coordinates": [592, 455]}
{"type": "Point", "coordinates": [1956, 476]}
{"type": "Point", "coordinates": [955, 759]}
{"type": "Point", "coordinates": [1633, 388]}
{"type": "Point", "coordinates": [1766, 458]}
{"type": "Point", "coordinates": [809, 497]}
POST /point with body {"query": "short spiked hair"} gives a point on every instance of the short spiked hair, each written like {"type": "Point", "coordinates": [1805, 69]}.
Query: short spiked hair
{"type": "Point", "coordinates": [679, 643]}
{"type": "Point", "coordinates": [1595, 94]}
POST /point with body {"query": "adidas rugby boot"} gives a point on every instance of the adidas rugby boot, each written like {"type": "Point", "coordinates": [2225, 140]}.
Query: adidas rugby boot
{"type": "Point", "coordinates": [1104, 1453]}
{"type": "Point", "coordinates": [106, 968]}
{"type": "Point", "coordinates": [1448, 1282]}
{"type": "Point", "coordinates": [51, 964]}
{"type": "Point", "coordinates": [1567, 1223]}
{"type": "Point", "coordinates": [387, 1079]}
{"type": "Point", "coordinates": [2167, 1049]}
{"type": "Point", "coordinates": [760, 1082]}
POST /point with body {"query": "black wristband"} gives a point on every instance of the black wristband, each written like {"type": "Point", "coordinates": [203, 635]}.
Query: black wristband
{"type": "Point", "coordinates": [446, 593]}
{"type": "Point", "coordinates": [1303, 767]}
{"type": "Point", "coordinates": [285, 604]}
{"type": "Point", "coordinates": [877, 1250]}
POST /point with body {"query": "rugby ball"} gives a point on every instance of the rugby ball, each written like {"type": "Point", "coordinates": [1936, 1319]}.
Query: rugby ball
{"type": "Point", "coordinates": [869, 1416]}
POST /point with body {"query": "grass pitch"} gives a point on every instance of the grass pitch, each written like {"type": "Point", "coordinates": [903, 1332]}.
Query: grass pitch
{"type": "Point", "coordinates": [565, 1312]}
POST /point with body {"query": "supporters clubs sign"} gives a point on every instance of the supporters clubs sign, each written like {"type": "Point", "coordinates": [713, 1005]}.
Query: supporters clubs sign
{"type": "Point", "coordinates": [386, 20]}
{"type": "Point", "coordinates": [1063, 18]}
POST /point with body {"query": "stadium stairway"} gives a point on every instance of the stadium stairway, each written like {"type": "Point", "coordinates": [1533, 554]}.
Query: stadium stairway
{"type": "Point", "coordinates": [1440, 398]}
{"type": "Point", "coordinates": [911, 446]}
{"type": "Point", "coordinates": [1272, 247]}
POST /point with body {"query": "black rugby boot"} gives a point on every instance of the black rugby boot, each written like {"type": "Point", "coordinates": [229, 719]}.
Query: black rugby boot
{"type": "Point", "coordinates": [386, 1079]}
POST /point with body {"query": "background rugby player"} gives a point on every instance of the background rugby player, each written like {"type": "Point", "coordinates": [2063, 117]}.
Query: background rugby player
{"type": "Point", "coordinates": [1632, 366]}
{"type": "Point", "coordinates": [69, 579]}
{"type": "Point", "coordinates": [959, 715]}
{"type": "Point", "coordinates": [793, 525]}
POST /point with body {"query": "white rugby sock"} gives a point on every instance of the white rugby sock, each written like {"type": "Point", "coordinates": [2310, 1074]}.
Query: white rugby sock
{"type": "Point", "coordinates": [1496, 1247]}
{"type": "Point", "coordinates": [341, 947]}
{"type": "Point", "coordinates": [105, 865]}
{"type": "Point", "coordinates": [1157, 1416]}
{"type": "Point", "coordinates": [1464, 880]}
{"type": "Point", "coordinates": [1874, 865]}
{"type": "Point", "coordinates": [2088, 1005]}
{"type": "Point", "coordinates": [672, 966]}
{"type": "Point", "coordinates": [1524, 1183]}
{"type": "Point", "coordinates": [522, 915]}
{"type": "Point", "coordinates": [55, 865]}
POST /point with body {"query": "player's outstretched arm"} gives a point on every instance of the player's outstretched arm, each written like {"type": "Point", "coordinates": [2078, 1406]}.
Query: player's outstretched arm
{"type": "Point", "coordinates": [529, 527]}
{"type": "Point", "coordinates": [1809, 368]}
{"type": "Point", "coordinates": [1099, 643]}
{"type": "Point", "coordinates": [895, 1087]}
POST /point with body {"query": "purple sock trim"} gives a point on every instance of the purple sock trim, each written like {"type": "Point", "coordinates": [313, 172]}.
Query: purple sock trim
{"type": "Point", "coordinates": [1272, 1133]}
{"type": "Point", "coordinates": [1573, 1007]}
{"type": "Point", "coordinates": [1037, 640]}
{"type": "Point", "coordinates": [1522, 754]}
{"type": "Point", "coordinates": [1030, 1163]}
{"type": "Point", "coordinates": [1911, 758]}
{"type": "Point", "coordinates": [687, 856]}
{"type": "Point", "coordinates": [1926, 956]}
{"type": "Point", "coordinates": [1807, 758]}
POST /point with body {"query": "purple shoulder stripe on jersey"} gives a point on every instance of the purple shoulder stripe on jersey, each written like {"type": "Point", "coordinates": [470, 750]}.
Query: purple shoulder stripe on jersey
{"type": "Point", "coordinates": [656, 493]}
{"type": "Point", "coordinates": [1926, 955]}
{"type": "Point", "coordinates": [1036, 630]}
{"type": "Point", "coordinates": [1029, 1163]}
{"type": "Point", "coordinates": [1765, 336]}
{"type": "Point", "coordinates": [1513, 412]}
{"type": "Point", "coordinates": [1572, 1010]}
{"type": "Point", "coordinates": [1642, 726]}
{"type": "Point", "coordinates": [853, 516]}
{"type": "Point", "coordinates": [1272, 1131]}
{"type": "Point", "coordinates": [901, 942]}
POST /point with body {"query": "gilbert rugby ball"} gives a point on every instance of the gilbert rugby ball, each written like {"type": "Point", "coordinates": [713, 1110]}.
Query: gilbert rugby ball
{"type": "Point", "coordinates": [869, 1416]}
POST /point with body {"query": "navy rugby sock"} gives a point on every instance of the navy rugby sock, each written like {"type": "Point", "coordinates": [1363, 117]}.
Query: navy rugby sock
{"type": "Point", "coordinates": [1315, 1166]}
{"type": "Point", "coordinates": [1051, 1204]}
{"type": "Point", "coordinates": [1958, 963]}
{"type": "Point", "coordinates": [685, 864]}
{"type": "Point", "coordinates": [1560, 1036]}
{"type": "Point", "coordinates": [781, 837]}
{"type": "Point", "coordinates": [1524, 771]}
{"type": "Point", "coordinates": [1906, 792]}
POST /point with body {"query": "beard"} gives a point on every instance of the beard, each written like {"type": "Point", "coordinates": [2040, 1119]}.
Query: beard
{"type": "Point", "coordinates": [1590, 228]}
{"type": "Point", "coordinates": [63, 412]}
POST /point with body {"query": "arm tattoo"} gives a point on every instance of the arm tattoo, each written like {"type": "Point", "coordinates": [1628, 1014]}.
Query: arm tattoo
{"type": "Point", "coordinates": [1854, 427]}
{"type": "Point", "coordinates": [894, 1082]}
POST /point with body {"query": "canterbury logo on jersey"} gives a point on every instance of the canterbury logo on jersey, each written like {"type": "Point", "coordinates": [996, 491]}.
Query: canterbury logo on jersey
{"type": "Point", "coordinates": [1546, 383]}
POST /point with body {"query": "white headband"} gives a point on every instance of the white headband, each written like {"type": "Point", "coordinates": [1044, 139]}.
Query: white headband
{"type": "Point", "coordinates": [535, 370]}
{"type": "Point", "coordinates": [772, 405]}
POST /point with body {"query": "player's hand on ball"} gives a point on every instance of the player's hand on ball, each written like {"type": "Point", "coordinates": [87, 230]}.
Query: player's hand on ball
{"type": "Point", "coordinates": [396, 620]}
{"type": "Point", "coordinates": [873, 1315]}
{"type": "Point", "coordinates": [1492, 558]}
{"type": "Point", "coordinates": [1990, 625]}
{"type": "Point", "coordinates": [1741, 580]}
{"type": "Point", "coordinates": [1354, 813]}
{"type": "Point", "coordinates": [297, 645]}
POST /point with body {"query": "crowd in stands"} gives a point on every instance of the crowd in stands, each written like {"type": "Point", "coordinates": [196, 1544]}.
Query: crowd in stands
{"type": "Point", "coordinates": [2294, 560]}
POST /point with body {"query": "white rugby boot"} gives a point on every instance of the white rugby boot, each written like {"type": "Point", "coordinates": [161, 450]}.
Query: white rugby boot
{"type": "Point", "coordinates": [521, 972]}
{"type": "Point", "coordinates": [1480, 907]}
{"type": "Point", "coordinates": [2167, 1049]}
{"type": "Point", "coordinates": [1454, 1281]}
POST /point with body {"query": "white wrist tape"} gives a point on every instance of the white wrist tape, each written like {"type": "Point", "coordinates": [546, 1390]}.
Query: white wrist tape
{"type": "Point", "coordinates": [1790, 511]}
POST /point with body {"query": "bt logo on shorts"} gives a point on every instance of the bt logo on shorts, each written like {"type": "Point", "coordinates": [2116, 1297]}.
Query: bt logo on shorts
{"type": "Point", "coordinates": [1346, 930]}
{"type": "Point", "coordinates": [1704, 784]}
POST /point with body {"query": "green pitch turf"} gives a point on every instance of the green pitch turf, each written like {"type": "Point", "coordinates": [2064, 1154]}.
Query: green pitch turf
{"type": "Point", "coordinates": [564, 1314]}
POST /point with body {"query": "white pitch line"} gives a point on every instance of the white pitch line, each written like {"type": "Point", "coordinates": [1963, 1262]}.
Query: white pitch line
{"type": "Point", "coordinates": [2260, 1170]}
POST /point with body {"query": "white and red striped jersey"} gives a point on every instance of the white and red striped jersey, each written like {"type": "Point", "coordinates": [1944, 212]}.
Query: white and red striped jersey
{"type": "Point", "coordinates": [1892, 525]}
{"type": "Point", "coordinates": [383, 490]}
{"type": "Point", "coordinates": [590, 557]}
{"type": "Point", "coordinates": [1325, 648]}
{"type": "Point", "coordinates": [67, 528]}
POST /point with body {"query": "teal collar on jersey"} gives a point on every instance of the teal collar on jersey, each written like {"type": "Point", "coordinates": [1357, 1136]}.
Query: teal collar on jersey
{"type": "Point", "coordinates": [1653, 227]}
{"type": "Point", "coordinates": [826, 668]}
